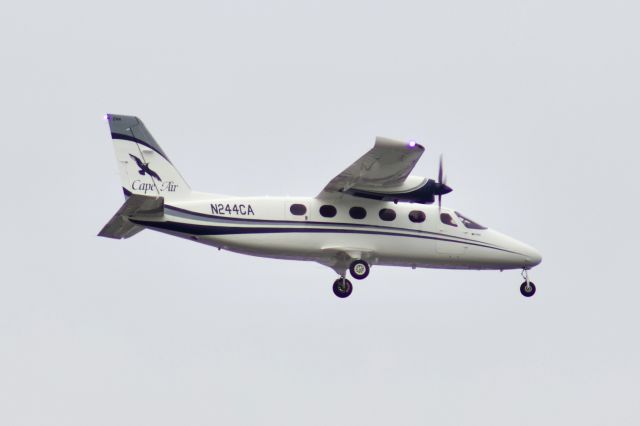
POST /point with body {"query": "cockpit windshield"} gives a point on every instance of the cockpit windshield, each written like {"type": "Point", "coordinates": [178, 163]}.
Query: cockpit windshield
{"type": "Point", "coordinates": [468, 223]}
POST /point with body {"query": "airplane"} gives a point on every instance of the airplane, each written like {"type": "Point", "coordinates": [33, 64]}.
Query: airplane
{"type": "Point", "coordinates": [374, 213]}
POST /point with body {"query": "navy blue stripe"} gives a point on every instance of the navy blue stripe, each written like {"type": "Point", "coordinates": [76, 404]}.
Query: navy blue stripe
{"type": "Point", "coordinates": [194, 229]}
{"type": "Point", "coordinates": [293, 222]}
{"type": "Point", "coordinates": [140, 141]}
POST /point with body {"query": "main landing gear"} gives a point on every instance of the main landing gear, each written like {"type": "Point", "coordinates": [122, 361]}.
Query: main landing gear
{"type": "Point", "coordinates": [342, 287]}
{"type": "Point", "coordinates": [527, 288]}
{"type": "Point", "coordinates": [359, 269]}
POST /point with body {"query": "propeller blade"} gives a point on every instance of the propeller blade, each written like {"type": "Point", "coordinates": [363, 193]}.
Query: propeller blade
{"type": "Point", "coordinates": [440, 188]}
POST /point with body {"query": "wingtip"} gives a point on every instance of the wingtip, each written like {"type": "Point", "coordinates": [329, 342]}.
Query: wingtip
{"type": "Point", "coordinates": [414, 144]}
{"type": "Point", "coordinates": [384, 142]}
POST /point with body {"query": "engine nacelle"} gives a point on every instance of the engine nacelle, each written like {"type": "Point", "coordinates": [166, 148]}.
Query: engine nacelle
{"type": "Point", "coordinates": [415, 189]}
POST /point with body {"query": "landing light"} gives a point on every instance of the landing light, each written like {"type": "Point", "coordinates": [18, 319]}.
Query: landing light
{"type": "Point", "coordinates": [412, 144]}
{"type": "Point", "coordinates": [106, 117]}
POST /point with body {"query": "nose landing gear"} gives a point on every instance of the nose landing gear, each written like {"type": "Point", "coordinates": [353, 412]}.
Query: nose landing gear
{"type": "Point", "coordinates": [527, 288]}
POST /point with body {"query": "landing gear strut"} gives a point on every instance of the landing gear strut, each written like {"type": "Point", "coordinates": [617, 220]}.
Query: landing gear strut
{"type": "Point", "coordinates": [342, 287]}
{"type": "Point", "coordinates": [527, 288]}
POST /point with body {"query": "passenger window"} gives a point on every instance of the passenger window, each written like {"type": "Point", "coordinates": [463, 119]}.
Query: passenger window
{"type": "Point", "coordinates": [468, 223]}
{"type": "Point", "coordinates": [328, 211]}
{"type": "Point", "coordinates": [298, 209]}
{"type": "Point", "coordinates": [416, 216]}
{"type": "Point", "coordinates": [447, 219]}
{"type": "Point", "coordinates": [357, 212]}
{"type": "Point", "coordinates": [387, 215]}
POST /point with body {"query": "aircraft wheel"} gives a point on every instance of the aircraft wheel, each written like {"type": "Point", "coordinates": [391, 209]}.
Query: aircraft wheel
{"type": "Point", "coordinates": [527, 290]}
{"type": "Point", "coordinates": [359, 269]}
{"type": "Point", "coordinates": [342, 287]}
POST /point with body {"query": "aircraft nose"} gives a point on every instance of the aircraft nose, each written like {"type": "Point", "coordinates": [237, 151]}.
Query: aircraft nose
{"type": "Point", "coordinates": [517, 253]}
{"type": "Point", "coordinates": [532, 257]}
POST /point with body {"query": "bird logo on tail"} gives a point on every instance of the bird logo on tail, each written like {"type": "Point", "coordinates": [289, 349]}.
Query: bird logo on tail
{"type": "Point", "coordinates": [144, 168]}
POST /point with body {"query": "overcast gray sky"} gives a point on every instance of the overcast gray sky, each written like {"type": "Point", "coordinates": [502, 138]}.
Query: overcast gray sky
{"type": "Point", "coordinates": [534, 104]}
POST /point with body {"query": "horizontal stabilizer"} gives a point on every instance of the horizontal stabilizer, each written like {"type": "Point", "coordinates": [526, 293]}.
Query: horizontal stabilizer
{"type": "Point", "coordinates": [136, 205]}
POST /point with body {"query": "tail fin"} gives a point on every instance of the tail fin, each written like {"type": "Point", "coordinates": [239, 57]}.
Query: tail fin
{"type": "Point", "coordinates": [144, 167]}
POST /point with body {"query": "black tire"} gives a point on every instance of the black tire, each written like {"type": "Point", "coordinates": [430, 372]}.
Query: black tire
{"type": "Point", "coordinates": [342, 288]}
{"type": "Point", "coordinates": [527, 292]}
{"type": "Point", "coordinates": [359, 269]}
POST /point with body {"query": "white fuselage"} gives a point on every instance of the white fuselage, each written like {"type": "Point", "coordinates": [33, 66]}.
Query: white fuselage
{"type": "Point", "coordinates": [267, 227]}
{"type": "Point", "coordinates": [374, 212]}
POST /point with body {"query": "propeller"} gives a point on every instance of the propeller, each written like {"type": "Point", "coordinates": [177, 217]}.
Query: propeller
{"type": "Point", "coordinates": [441, 188]}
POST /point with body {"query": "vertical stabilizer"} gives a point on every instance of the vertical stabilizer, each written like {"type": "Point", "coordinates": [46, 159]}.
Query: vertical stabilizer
{"type": "Point", "coordinates": [143, 166]}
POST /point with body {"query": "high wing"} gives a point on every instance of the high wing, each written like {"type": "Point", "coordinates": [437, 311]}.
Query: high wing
{"type": "Point", "coordinates": [383, 174]}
